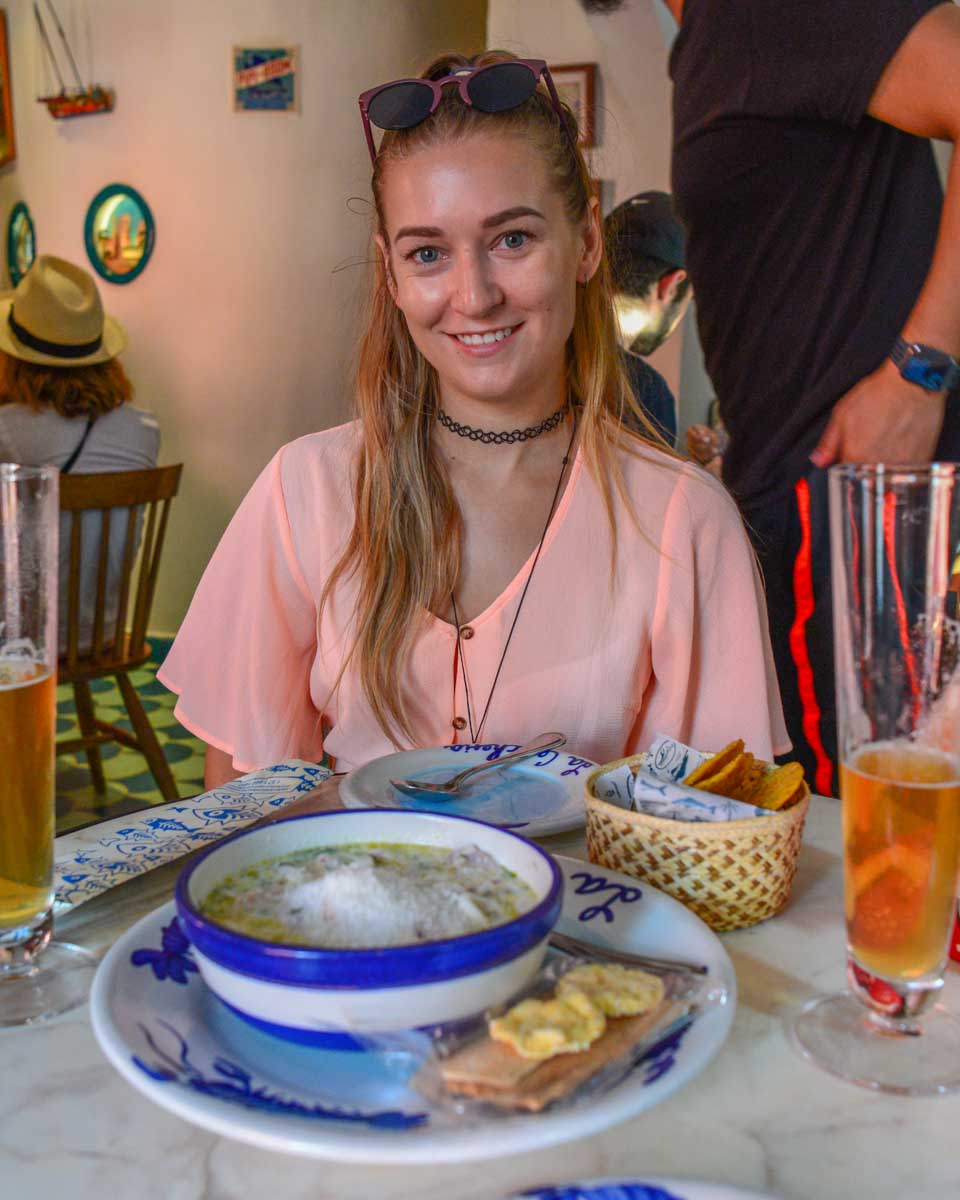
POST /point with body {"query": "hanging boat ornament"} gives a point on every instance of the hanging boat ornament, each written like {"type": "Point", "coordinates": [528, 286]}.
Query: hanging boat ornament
{"type": "Point", "coordinates": [78, 101]}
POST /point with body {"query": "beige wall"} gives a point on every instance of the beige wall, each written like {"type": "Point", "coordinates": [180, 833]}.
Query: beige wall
{"type": "Point", "coordinates": [240, 331]}
{"type": "Point", "coordinates": [630, 48]}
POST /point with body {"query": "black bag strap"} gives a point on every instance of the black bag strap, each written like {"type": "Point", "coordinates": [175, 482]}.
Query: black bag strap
{"type": "Point", "coordinates": [68, 465]}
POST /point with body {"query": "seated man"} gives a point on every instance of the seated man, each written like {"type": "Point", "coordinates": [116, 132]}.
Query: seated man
{"type": "Point", "coordinates": [652, 291]}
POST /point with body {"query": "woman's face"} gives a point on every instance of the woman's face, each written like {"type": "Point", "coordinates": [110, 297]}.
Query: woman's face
{"type": "Point", "coordinates": [484, 265]}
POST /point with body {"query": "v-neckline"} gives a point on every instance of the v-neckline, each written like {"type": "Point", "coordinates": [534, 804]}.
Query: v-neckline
{"type": "Point", "coordinates": [517, 582]}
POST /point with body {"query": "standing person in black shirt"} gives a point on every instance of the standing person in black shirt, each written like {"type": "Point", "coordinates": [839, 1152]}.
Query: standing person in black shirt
{"type": "Point", "coordinates": [803, 173]}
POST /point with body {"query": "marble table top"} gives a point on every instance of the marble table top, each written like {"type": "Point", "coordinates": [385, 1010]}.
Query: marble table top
{"type": "Point", "coordinates": [758, 1117]}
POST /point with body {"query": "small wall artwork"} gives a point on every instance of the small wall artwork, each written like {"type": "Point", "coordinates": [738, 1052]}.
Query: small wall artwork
{"type": "Point", "coordinates": [119, 233]}
{"type": "Point", "coordinates": [21, 243]}
{"type": "Point", "coordinates": [8, 146]}
{"type": "Point", "coordinates": [576, 84]}
{"type": "Point", "coordinates": [265, 79]}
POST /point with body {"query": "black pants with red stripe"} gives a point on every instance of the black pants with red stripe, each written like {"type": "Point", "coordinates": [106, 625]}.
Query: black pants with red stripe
{"type": "Point", "coordinates": [792, 540]}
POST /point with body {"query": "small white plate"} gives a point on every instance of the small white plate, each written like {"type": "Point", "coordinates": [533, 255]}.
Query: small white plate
{"type": "Point", "coordinates": [168, 1036]}
{"type": "Point", "coordinates": [639, 1189]}
{"type": "Point", "coordinates": [538, 797]}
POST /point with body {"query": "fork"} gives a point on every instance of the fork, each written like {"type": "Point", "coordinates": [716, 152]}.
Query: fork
{"type": "Point", "coordinates": [449, 789]}
{"type": "Point", "coordinates": [571, 945]}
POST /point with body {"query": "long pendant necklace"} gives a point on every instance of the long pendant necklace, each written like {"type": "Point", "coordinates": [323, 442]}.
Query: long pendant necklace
{"type": "Point", "coordinates": [476, 732]}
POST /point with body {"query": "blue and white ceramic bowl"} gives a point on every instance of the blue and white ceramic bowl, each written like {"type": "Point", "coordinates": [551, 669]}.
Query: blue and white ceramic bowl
{"type": "Point", "coordinates": [323, 996]}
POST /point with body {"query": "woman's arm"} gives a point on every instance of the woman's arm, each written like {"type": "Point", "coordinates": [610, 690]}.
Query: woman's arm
{"type": "Point", "coordinates": [218, 768]}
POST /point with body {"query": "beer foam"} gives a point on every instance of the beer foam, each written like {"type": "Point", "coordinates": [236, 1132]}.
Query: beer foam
{"type": "Point", "coordinates": [20, 663]}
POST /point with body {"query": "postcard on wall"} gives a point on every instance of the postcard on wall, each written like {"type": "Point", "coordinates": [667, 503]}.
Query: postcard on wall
{"type": "Point", "coordinates": [265, 79]}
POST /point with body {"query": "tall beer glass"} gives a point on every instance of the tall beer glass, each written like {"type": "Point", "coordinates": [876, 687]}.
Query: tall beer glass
{"type": "Point", "coordinates": [895, 533]}
{"type": "Point", "coordinates": [37, 978]}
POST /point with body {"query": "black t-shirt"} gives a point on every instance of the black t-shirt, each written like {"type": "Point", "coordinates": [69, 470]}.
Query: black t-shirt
{"type": "Point", "coordinates": [653, 394]}
{"type": "Point", "coordinates": [810, 225]}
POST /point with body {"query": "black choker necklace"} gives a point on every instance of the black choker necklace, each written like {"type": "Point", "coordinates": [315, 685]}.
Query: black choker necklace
{"type": "Point", "coordinates": [490, 437]}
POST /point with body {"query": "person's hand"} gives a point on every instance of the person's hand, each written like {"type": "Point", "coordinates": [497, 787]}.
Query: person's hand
{"type": "Point", "coordinates": [882, 419]}
{"type": "Point", "coordinates": [702, 443]}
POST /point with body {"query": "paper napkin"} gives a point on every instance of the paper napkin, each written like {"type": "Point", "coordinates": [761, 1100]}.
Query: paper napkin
{"type": "Point", "coordinates": [95, 859]}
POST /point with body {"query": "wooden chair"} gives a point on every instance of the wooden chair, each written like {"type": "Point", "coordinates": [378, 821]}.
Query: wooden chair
{"type": "Point", "coordinates": [114, 649]}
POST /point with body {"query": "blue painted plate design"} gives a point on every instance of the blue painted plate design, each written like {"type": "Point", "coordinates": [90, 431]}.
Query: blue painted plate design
{"type": "Point", "coordinates": [174, 1041]}
{"type": "Point", "coordinates": [541, 796]}
{"type": "Point", "coordinates": [638, 1189]}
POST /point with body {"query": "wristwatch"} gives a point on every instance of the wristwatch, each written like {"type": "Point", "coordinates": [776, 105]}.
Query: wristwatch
{"type": "Point", "coordinates": [933, 370]}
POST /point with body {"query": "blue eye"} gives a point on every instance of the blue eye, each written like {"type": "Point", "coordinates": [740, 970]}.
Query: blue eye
{"type": "Point", "coordinates": [515, 239]}
{"type": "Point", "coordinates": [426, 255]}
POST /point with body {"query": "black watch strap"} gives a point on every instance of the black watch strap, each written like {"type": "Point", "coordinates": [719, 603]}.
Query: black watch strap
{"type": "Point", "coordinates": [932, 369]}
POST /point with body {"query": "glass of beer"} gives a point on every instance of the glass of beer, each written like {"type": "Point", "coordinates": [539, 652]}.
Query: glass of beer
{"type": "Point", "coordinates": [38, 978]}
{"type": "Point", "coordinates": [895, 534]}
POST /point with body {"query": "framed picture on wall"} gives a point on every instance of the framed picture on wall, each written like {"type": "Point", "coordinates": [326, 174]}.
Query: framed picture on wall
{"type": "Point", "coordinates": [576, 83]}
{"type": "Point", "coordinates": [8, 145]}
{"type": "Point", "coordinates": [119, 233]}
{"type": "Point", "coordinates": [21, 242]}
{"type": "Point", "coordinates": [265, 79]}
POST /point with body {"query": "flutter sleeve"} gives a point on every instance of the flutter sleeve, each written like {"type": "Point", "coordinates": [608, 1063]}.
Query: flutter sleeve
{"type": "Point", "coordinates": [241, 661]}
{"type": "Point", "coordinates": [713, 677]}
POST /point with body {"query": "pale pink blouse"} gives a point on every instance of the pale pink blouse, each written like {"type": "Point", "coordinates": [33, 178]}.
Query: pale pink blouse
{"type": "Point", "coordinates": [675, 643]}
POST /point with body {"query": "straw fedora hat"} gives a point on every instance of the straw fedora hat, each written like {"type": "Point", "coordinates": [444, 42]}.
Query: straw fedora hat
{"type": "Point", "coordinates": [55, 318]}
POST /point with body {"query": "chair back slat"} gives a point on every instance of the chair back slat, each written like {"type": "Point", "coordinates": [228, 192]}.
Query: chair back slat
{"type": "Point", "coordinates": [141, 607]}
{"type": "Point", "coordinates": [73, 588]}
{"type": "Point", "coordinates": [99, 612]}
{"type": "Point", "coordinates": [150, 567]}
{"type": "Point", "coordinates": [134, 491]}
{"type": "Point", "coordinates": [126, 570]}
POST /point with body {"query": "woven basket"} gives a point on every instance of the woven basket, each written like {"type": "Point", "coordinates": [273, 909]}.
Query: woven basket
{"type": "Point", "coordinates": [731, 874]}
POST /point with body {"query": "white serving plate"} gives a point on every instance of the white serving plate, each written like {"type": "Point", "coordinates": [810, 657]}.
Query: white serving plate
{"type": "Point", "coordinates": [169, 1037]}
{"type": "Point", "coordinates": [541, 796]}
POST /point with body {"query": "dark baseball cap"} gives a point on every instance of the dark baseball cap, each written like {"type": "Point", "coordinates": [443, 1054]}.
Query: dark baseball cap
{"type": "Point", "coordinates": [646, 225]}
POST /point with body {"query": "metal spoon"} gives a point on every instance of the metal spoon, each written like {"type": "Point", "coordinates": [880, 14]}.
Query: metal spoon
{"type": "Point", "coordinates": [449, 789]}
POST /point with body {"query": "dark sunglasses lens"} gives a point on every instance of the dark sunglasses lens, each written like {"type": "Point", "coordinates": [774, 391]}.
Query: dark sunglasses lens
{"type": "Point", "coordinates": [503, 86]}
{"type": "Point", "coordinates": [400, 106]}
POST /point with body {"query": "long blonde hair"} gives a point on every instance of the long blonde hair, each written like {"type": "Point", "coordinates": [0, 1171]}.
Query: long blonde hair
{"type": "Point", "coordinates": [405, 544]}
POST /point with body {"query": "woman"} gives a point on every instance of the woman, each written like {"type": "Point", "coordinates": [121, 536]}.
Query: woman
{"type": "Point", "coordinates": [485, 553]}
{"type": "Point", "coordinates": [65, 402]}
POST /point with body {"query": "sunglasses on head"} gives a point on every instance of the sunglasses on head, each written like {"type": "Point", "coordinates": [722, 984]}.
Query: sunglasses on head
{"type": "Point", "coordinates": [495, 88]}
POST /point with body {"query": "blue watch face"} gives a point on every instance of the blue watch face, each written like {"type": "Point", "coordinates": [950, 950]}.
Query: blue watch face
{"type": "Point", "coordinates": [929, 377]}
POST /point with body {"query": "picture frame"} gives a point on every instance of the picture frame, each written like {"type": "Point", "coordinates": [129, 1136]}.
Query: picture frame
{"type": "Point", "coordinates": [8, 142]}
{"type": "Point", "coordinates": [21, 242]}
{"type": "Point", "coordinates": [119, 233]}
{"type": "Point", "coordinates": [265, 79]}
{"type": "Point", "coordinates": [576, 84]}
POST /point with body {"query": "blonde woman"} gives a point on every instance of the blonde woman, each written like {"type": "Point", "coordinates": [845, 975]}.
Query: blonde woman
{"type": "Point", "coordinates": [484, 553]}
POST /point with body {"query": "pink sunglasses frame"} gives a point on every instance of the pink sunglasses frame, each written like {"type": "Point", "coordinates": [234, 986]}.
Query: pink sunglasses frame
{"type": "Point", "coordinates": [461, 77]}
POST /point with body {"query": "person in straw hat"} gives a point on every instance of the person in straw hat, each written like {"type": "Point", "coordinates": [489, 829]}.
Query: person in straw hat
{"type": "Point", "coordinates": [65, 398]}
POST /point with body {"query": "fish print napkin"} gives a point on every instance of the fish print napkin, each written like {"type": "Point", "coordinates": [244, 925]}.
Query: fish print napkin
{"type": "Point", "coordinates": [95, 859]}
{"type": "Point", "coordinates": [654, 787]}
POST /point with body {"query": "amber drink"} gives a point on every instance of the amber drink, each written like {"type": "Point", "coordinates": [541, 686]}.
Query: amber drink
{"type": "Point", "coordinates": [38, 978]}
{"type": "Point", "coordinates": [894, 536]}
{"type": "Point", "coordinates": [27, 721]}
{"type": "Point", "coordinates": [901, 836]}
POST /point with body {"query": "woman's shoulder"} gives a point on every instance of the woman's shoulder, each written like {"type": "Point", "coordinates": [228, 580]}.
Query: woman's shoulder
{"type": "Point", "coordinates": [662, 485]}
{"type": "Point", "coordinates": [317, 467]}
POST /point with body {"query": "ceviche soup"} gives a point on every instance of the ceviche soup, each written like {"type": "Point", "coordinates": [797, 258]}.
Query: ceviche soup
{"type": "Point", "coordinates": [369, 895]}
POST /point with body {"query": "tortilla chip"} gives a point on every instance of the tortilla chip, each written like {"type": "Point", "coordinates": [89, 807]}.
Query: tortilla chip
{"type": "Point", "coordinates": [780, 788]}
{"type": "Point", "coordinates": [618, 991]}
{"type": "Point", "coordinates": [748, 785]}
{"type": "Point", "coordinates": [728, 779]}
{"type": "Point", "coordinates": [715, 764]}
